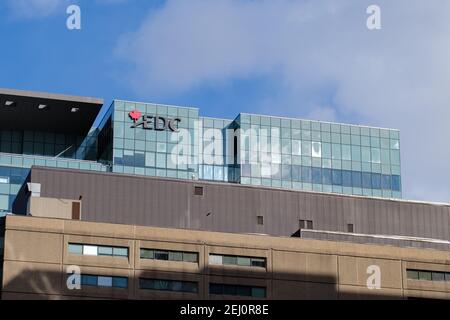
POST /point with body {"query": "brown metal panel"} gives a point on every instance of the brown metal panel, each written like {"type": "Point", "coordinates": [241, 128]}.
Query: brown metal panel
{"type": "Point", "coordinates": [149, 201]}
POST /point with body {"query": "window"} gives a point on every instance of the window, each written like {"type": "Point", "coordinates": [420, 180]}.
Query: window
{"type": "Point", "coordinates": [165, 255]}
{"type": "Point", "coordinates": [302, 224]}
{"type": "Point", "coordinates": [94, 250]}
{"type": "Point", "coordinates": [168, 285]}
{"type": "Point", "coordinates": [75, 248]}
{"type": "Point", "coordinates": [104, 281]}
{"type": "Point", "coordinates": [198, 191]}
{"type": "Point", "coordinates": [260, 220]}
{"type": "Point", "coordinates": [306, 224]}
{"type": "Point", "coordinates": [217, 259]}
{"type": "Point", "coordinates": [413, 274]}
{"type": "Point", "coordinates": [237, 290]}
{"type": "Point", "coordinates": [350, 227]}
{"type": "Point", "coordinates": [426, 275]}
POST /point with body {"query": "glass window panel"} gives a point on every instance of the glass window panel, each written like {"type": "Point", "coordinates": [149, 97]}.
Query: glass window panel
{"type": "Point", "coordinates": [147, 254]}
{"type": "Point", "coordinates": [376, 156]}
{"type": "Point", "coordinates": [161, 255]}
{"type": "Point", "coordinates": [162, 285]}
{"type": "Point", "coordinates": [425, 275]}
{"type": "Point", "coordinates": [4, 202]}
{"type": "Point", "coordinates": [337, 177]}
{"type": "Point", "coordinates": [190, 287]}
{"type": "Point", "coordinates": [306, 148]}
{"type": "Point", "coordinates": [366, 180]}
{"type": "Point", "coordinates": [244, 291]}
{"type": "Point", "coordinates": [258, 262]}
{"type": "Point", "coordinates": [337, 151]}
{"type": "Point", "coordinates": [276, 171]}
{"type": "Point", "coordinates": [306, 174]}
{"type": "Point", "coordinates": [259, 292]}
{"type": "Point", "coordinates": [215, 289]}
{"type": "Point", "coordinates": [286, 172]}
{"type": "Point", "coordinates": [326, 150]}
{"type": "Point", "coordinates": [356, 153]}
{"type": "Point", "coordinates": [175, 256]}
{"type": "Point", "coordinates": [208, 172]}
{"type": "Point", "coordinates": [385, 157]}
{"type": "Point", "coordinates": [386, 182]}
{"type": "Point", "coordinates": [229, 260]}
{"type": "Point", "coordinates": [395, 144]}
{"type": "Point", "coordinates": [438, 276]}
{"type": "Point", "coordinates": [190, 257]}
{"type": "Point", "coordinates": [146, 284]}
{"type": "Point", "coordinates": [316, 149]}
{"type": "Point", "coordinates": [296, 173]}
{"type": "Point", "coordinates": [326, 176]}
{"type": "Point", "coordinates": [317, 175]}
{"type": "Point", "coordinates": [395, 157]}
{"type": "Point", "coordinates": [365, 153]}
{"type": "Point", "coordinates": [447, 276]}
{"type": "Point", "coordinates": [346, 178]}
{"type": "Point", "coordinates": [87, 280]}
{"type": "Point", "coordinates": [105, 251]}
{"type": "Point", "coordinates": [123, 252]}
{"type": "Point", "coordinates": [413, 274]}
{"type": "Point", "coordinates": [75, 248]}
{"type": "Point", "coordinates": [395, 183]}
{"type": "Point", "coordinates": [176, 286]}
{"type": "Point", "coordinates": [296, 147]}
{"type": "Point", "coordinates": [346, 152]}
{"type": "Point", "coordinates": [242, 261]}
{"type": "Point", "coordinates": [230, 290]}
{"type": "Point", "coordinates": [376, 181]}
{"type": "Point", "coordinates": [90, 250]}
{"type": "Point", "coordinates": [105, 281]}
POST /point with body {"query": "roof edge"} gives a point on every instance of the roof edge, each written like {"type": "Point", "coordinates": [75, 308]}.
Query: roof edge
{"type": "Point", "coordinates": [51, 96]}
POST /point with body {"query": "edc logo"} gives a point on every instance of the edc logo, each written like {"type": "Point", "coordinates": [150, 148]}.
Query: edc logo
{"type": "Point", "coordinates": [157, 123]}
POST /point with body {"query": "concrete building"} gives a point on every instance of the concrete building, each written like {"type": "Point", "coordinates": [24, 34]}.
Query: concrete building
{"type": "Point", "coordinates": [149, 201]}
{"type": "Point", "coordinates": [133, 262]}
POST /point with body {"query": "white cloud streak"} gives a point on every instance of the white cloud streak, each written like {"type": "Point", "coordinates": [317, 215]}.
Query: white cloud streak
{"type": "Point", "coordinates": [34, 9]}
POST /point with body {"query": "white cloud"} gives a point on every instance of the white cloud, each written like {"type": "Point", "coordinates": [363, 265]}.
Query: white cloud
{"type": "Point", "coordinates": [35, 8]}
{"type": "Point", "coordinates": [396, 77]}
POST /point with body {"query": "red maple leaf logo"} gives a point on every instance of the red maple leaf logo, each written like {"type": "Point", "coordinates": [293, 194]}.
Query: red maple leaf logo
{"type": "Point", "coordinates": [135, 115]}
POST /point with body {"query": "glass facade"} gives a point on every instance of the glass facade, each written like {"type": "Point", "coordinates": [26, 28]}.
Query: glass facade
{"type": "Point", "coordinates": [175, 142]}
{"type": "Point", "coordinates": [14, 170]}
{"type": "Point", "coordinates": [155, 153]}
{"type": "Point", "coordinates": [319, 156]}
{"type": "Point", "coordinates": [258, 150]}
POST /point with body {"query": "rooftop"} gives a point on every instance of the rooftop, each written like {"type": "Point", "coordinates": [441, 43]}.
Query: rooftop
{"type": "Point", "coordinates": [37, 111]}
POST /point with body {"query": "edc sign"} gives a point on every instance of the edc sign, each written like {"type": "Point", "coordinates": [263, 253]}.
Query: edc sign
{"type": "Point", "coordinates": [157, 123]}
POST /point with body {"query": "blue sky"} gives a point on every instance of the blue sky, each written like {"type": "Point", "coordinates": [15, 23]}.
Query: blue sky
{"type": "Point", "coordinates": [302, 58]}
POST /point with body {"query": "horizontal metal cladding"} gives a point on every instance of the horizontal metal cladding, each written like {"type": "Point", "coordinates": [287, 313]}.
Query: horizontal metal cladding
{"type": "Point", "coordinates": [376, 239]}
{"type": "Point", "coordinates": [236, 208]}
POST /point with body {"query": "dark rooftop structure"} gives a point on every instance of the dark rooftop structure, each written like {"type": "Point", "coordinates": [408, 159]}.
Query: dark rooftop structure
{"type": "Point", "coordinates": [27, 110]}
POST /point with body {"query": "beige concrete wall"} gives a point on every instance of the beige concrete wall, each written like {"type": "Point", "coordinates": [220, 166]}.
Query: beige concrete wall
{"type": "Point", "coordinates": [51, 208]}
{"type": "Point", "coordinates": [36, 261]}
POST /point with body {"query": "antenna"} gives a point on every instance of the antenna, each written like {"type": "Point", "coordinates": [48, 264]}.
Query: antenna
{"type": "Point", "coordinates": [60, 154]}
